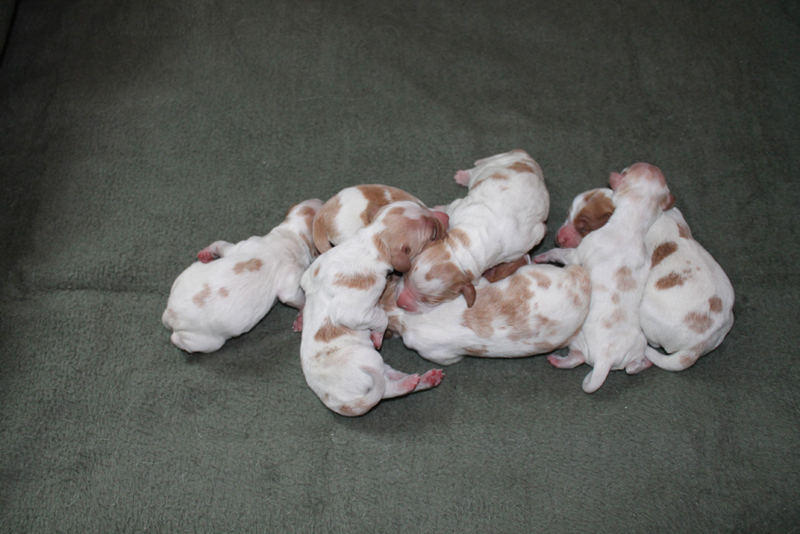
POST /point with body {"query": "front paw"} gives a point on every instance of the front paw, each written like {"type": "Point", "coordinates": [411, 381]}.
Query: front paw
{"type": "Point", "coordinates": [297, 325]}
{"type": "Point", "coordinates": [377, 339]}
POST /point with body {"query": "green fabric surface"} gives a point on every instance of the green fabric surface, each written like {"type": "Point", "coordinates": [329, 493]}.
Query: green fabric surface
{"type": "Point", "coordinates": [135, 133]}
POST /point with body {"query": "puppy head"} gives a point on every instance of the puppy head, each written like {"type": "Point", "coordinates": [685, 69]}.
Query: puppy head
{"type": "Point", "coordinates": [589, 211]}
{"type": "Point", "coordinates": [405, 229]}
{"type": "Point", "coordinates": [435, 278]}
{"type": "Point", "coordinates": [642, 182]}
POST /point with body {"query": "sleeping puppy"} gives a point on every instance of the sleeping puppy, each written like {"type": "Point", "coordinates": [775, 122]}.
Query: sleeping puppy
{"type": "Point", "coordinates": [233, 286]}
{"type": "Point", "coordinates": [618, 263]}
{"type": "Point", "coordinates": [687, 308]}
{"type": "Point", "coordinates": [344, 323]}
{"type": "Point", "coordinates": [353, 208]}
{"type": "Point", "coordinates": [536, 310]}
{"type": "Point", "coordinates": [500, 220]}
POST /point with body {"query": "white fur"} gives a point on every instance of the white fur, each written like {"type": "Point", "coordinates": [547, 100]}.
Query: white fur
{"type": "Point", "coordinates": [342, 320]}
{"type": "Point", "coordinates": [536, 310]}
{"type": "Point", "coordinates": [618, 263]}
{"type": "Point", "coordinates": [212, 302]}
{"type": "Point", "coordinates": [502, 217]}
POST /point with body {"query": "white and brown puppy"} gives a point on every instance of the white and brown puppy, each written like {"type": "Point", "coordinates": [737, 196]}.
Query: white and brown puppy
{"type": "Point", "coordinates": [353, 208]}
{"type": "Point", "coordinates": [500, 220]}
{"type": "Point", "coordinates": [343, 322]}
{"type": "Point", "coordinates": [536, 310]}
{"type": "Point", "coordinates": [687, 308]}
{"type": "Point", "coordinates": [618, 263]}
{"type": "Point", "coordinates": [233, 286]}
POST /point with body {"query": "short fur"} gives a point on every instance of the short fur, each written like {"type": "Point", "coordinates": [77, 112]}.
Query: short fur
{"type": "Point", "coordinates": [688, 300]}
{"type": "Point", "coordinates": [343, 323]}
{"type": "Point", "coordinates": [500, 220]}
{"type": "Point", "coordinates": [618, 263]}
{"type": "Point", "coordinates": [233, 286]}
{"type": "Point", "coordinates": [536, 310]}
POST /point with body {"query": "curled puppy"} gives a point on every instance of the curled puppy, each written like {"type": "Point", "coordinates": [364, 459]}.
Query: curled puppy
{"type": "Point", "coordinates": [500, 220]}
{"type": "Point", "coordinates": [353, 208]}
{"type": "Point", "coordinates": [687, 308]}
{"type": "Point", "coordinates": [618, 263]}
{"type": "Point", "coordinates": [233, 286]}
{"type": "Point", "coordinates": [343, 323]}
{"type": "Point", "coordinates": [536, 310]}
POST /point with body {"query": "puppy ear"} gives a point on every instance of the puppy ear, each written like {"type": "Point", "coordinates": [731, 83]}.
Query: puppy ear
{"type": "Point", "coordinates": [668, 202]}
{"type": "Point", "coordinates": [468, 290]}
{"type": "Point", "coordinates": [401, 262]}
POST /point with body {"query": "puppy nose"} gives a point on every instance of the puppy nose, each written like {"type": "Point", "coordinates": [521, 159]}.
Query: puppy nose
{"type": "Point", "coordinates": [406, 301]}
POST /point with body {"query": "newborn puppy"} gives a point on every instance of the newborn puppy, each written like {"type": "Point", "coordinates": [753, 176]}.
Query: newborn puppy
{"type": "Point", "coordinates": [354, 208]}
{"type": "Point", "coordinates": [233, 287]}
{"type": "Point", "coordinates": [618, 263]}
{"type": "Point", "coordinates": [687, 308]}
{"type": "Point", "coordinates": [536, 310]}
{"type": "Point", "coordinates": [343, 321]}
{"type": "Point", "coordinates": [500, 220]}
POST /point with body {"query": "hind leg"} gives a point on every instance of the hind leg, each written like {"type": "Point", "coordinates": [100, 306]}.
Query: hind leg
{"type": "Point", "coordinates": [215, 250]}
{"type": "Point", "coordinates": [571, 360]}
{"type": "Point", "coordinates": [638, 366]}
{"type": "Point", "coordinates": [462, 178]}
{"type": "Point", "coordinates": [398, 383]}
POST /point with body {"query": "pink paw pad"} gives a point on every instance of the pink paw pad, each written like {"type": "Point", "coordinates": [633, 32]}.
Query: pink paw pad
{"type": "Point", "coordinates": [206, 256]}
{"type": "Point", "coordinates": [377, 339]}
{"type": "Point", "coordinates": [462, 178]}
{"type": "Point", "coordinates": [297, 325]}
{"type": "Point", "coordinates": [432, 378]}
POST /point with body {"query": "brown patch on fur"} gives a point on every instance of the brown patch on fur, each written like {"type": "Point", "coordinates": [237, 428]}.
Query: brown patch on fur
{"type": "Point", "coordinates": [698, 322]}
{"type": "Point", "coordinates": [595, 214]}
{"type": "Point", "coordinates": [542, 280]}
{"type": "Point", "coordinates": [251, 265]}
{"type": "Point", "coordinates": [512, 306]}
{"type": "Point", "coordinates": [715, 304]}
{"type": "Point", "coordinates": [378, 196]}
{"type": "Point", "coordinates": [200, 298]}
{"type": "Point", "coordinates": [617, 316]}
{"type": "Point", "coordinates": [477, 351]}
{"type": "Point", "coordinates": [671, 280]}
{"type": "Point", "coordinates": [356, 281]}
{"type": "Point", "coordinates": [458, 236]}
{"type": "Point", "coordinates": [308, 213]}
{"type": "Point", "coordinates": [324, 225]}
{"type": "Point", "coordinates": [662, 251]}
{"type": "Point", "coordinates": [624, 279]}
{"type": "Point", "coordinates": [684, 231]}
{"type": "Point", "coordinates": [329, 331]}
{"type": "Point", "coordinates": [223, 292]}
{"type": "Point", "coordinates": [615, 298]}
{"type": "Point", "coordinates": [520, 166]}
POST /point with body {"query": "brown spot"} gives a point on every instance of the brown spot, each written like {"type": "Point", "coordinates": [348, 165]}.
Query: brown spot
{"type": "Point", "coordinates": [223, 292]}
{"type": "Point", "coordinates": [403, 238]}
{"type": "Point", "coordinates": [594, 214]}
{"type": "Point", "coordinates": [715, 304]}
{"type": "Point", "coordinates": [684, 231]}
{"type": "Point", "coordinates": [617, 316]}
{"type": "Point", "coordinates": [308, 213]}
{"type": "Point", "coordinates": [624, 279]}
{"type": "Point", "coordinates": [200, 298]}
{"type": "Point", "coordinates": [477, 351]}
{"type": "Point", "coordinates": [329, 331]}
{"type": "Point", "coordinates": [520, 166]}
{"type": "Point", "coordinates": [356, 281]}
{"type": "Point", "coordinates": [662, 251]}
{"type": "Point", "coordinates": [316, 271]}
{"type": "Point", "coordinates": [671, 280]}
{"type": "Point", "coordinates": [511, 308]}
{"type": "Point", "coordinates": [615, 298]}
{"type": "Point", "coordinates": [378, 196]}
{"type": "Point", "coordinates": [698, 322]}
{"type": "Point", "coordinates": [498, 176]}
{"type": "Point", "coordinates": [542, 280]}
{"type": "Point", "coordinates": [458, 236]}
{"type": "Point", "coordinates": [251, 265]}
{"type": "Point", "coordinates": [325, 230]}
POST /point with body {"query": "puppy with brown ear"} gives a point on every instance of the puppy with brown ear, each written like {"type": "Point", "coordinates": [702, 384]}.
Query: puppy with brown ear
{"type": "Point", "coordinates": [500, 220]}
{"type": "Point", "coordinates": [343, 322]}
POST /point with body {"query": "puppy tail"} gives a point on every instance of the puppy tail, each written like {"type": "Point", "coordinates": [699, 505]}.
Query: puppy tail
{"type": "Point", "coordinates": [677, 361]}
{"type": "Point", "coordinates": [320, 235]}
{"type": "Point", "coordinates": [597, 376]}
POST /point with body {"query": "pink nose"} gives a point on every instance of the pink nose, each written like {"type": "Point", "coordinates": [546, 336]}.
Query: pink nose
{"type": "Point", "coordinates": [568, 238]}
{"type": "Point", "coordinates": [406, 301]}
{"type": "Point", "coordinates": [443, 218]}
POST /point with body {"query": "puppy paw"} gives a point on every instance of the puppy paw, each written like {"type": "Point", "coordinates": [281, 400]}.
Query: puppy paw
{"type": "Point", "coordinates": [206, 256]}
{"type": "Point", "coordinates": [297, 325]}
{"type": "Point", "coordinates": [462, 178]}
{"type": "Point", "coordinates": [430, 379]}
{"type": "Point", "coordinates": [377, 339]}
